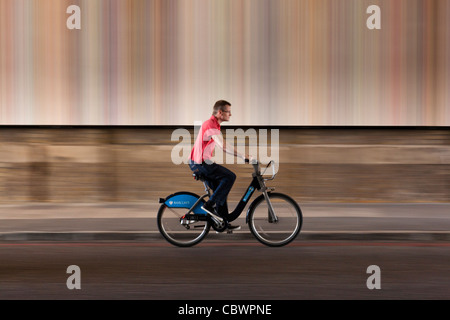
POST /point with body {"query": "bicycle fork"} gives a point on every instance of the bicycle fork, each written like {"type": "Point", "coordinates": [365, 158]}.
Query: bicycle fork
{"type": "Point", "coordinates": [271, 216]}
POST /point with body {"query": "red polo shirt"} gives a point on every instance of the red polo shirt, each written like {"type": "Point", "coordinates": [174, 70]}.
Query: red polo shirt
{"type": "Point", "coordinates": [204, 144]}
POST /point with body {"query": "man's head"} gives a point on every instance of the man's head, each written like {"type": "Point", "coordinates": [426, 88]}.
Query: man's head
{"type": "Point", "coordinates": [222, 110]}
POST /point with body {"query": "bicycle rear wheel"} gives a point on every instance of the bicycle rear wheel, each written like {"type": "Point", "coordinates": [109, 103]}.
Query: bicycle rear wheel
{"type": "Point", "coordinates": [285, 229]}
{"type": "Point", "coordinates": [181, 229]}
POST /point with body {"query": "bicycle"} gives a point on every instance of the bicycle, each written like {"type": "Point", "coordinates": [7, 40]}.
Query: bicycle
{"type": "Point", "coordinates": [275, 219]}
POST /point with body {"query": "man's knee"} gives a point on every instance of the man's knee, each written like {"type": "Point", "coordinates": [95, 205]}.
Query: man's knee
{"type": "Point", "coordinates": [232, 177]}
{"type": "Point", "coordinates": [229, 179]}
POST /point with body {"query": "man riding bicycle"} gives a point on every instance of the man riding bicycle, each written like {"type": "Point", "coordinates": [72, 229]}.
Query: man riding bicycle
{"type": "Point", "coordinates": [219, 178]}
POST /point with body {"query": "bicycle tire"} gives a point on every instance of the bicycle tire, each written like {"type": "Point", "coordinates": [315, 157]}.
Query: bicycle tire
{"type": "Point", "coordinates": [169, 225]}
{"type": "Point", "coordinates": [274, 234]}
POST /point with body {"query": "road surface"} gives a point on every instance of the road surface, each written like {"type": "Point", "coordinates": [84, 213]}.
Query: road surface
{"type": "Point", "coordinates": [222, 270]}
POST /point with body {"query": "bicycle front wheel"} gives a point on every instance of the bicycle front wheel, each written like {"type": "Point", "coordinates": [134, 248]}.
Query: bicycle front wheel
{"type": "Point", "coordinates": [180, 229]}
{"type": "Point", "coordinates": [280, 232]}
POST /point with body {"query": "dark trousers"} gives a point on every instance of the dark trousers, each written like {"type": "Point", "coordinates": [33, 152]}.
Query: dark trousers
{"type": "Point", "coordinates": [219, 179]}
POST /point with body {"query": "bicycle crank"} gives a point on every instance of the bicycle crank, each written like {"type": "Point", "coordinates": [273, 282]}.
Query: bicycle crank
{"type": "Point", "coordinates": [219, 226]}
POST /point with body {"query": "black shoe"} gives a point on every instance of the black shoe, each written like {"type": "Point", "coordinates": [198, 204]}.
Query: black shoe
{"type": "Point", "coordinates": [208, 207]}
{"type": "Point", "coordinates": [233, 228]}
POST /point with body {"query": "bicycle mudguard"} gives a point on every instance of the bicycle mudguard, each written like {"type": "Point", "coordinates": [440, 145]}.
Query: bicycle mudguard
{"type": "Point", "coordinates": [252, 205]}
{"type": "Point", "coordinates": [184, 200]}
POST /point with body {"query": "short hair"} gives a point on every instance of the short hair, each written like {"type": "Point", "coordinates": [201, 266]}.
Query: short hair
{"type": "Point", "coordinates": [220, 105]}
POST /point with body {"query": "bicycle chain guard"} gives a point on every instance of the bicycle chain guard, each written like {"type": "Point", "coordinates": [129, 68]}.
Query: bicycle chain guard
{"type": "Point", "coordinates": [218, 226]}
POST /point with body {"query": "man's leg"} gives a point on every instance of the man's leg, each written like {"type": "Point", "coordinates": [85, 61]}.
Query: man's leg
{"type": "Point", "coordinates": [225, 179]}
{"type": "Point", "coordinates": [220, 180]}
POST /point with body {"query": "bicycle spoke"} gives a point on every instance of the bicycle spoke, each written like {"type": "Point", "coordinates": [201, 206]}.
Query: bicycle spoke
{"type": "Point", "coordinates": [286, 226]}
{"type": "Point", "coordinates": [181, 229]}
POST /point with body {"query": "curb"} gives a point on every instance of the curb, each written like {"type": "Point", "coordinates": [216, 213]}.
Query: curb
{"type": "Point", "coordinates": [155, 236]}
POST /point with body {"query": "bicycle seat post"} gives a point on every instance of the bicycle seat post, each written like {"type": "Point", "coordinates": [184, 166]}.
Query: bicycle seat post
{"type": "Point", "coordinates": [207, 190]}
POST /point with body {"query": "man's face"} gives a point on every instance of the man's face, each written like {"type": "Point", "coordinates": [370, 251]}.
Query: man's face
{"type": "Point", "coordinates": [225, 114]}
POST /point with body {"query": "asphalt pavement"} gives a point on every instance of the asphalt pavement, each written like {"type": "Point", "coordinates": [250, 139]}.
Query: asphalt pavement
{"type": "Point", "coordinates": [137, 222]}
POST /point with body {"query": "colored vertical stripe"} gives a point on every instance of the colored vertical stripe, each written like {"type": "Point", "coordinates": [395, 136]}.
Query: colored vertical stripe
{"type": "Point", "coordinates": [279, 62]}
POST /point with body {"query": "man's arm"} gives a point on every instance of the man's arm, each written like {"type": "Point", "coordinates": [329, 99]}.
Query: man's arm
{"type": "Point", "coordinates": [228, 148]}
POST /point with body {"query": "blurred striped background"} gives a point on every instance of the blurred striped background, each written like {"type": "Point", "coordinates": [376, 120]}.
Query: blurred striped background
{"type": "Point", "coordinates": [279, 62]}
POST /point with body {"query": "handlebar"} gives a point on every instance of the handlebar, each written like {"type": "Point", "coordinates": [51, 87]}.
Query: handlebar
{"type": "Point", "coordinates": [256, 166]}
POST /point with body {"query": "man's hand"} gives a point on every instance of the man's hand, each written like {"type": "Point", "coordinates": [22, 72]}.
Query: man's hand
{"type": "Point", "coordinates": [250, 159]}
